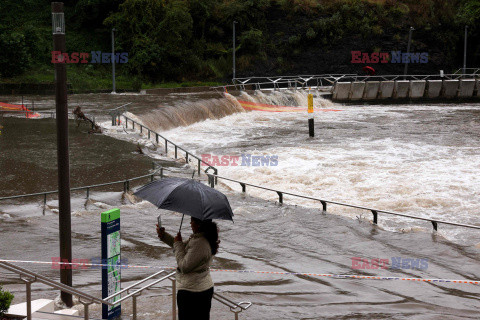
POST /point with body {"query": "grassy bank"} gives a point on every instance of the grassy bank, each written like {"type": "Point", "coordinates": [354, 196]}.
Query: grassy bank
{"type": "Point", "coordinates": [87, 78]}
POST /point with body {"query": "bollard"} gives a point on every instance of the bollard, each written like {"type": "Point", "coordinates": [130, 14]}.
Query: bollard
{"type": "Point", "coordinates": [375, 216]}
{"type": "Point", "coordinates": [324, 205]}
{"type": "Point", "coordinates": [280, 197]}
{"type": "Point", "coordinates": [311, 127]}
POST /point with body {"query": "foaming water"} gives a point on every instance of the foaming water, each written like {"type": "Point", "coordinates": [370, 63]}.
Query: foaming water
{"type": "Point", "coordinates": [185, 112]}
{"type": "Point", "coordinates": [421, 160]}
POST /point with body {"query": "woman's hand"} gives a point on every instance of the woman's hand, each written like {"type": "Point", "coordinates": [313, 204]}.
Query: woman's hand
{"type": "Point", "coordinates": [160, 232]}
{"type": "Point", "coordinates": [178, 237]}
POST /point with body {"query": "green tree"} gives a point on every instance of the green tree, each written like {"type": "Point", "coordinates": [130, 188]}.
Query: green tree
{"type": "Point", "coordinates": [5, 301]}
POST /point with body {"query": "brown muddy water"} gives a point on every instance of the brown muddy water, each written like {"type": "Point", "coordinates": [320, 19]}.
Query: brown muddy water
{"type": "Point", "coordinates": [265, 235]}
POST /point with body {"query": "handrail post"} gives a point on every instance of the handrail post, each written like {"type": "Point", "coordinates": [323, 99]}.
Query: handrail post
{"type": "Point", "coordinates": [28, 284]}
{"type": "Point", "coordinates": [156, 137]}
{"type": "Point", "coordinates": [199, 169]}
{"type": "Point", "coordinates": [174, 299]}
{"type": "Point", "coordinates": [166, 147]}
{"type": "Point", "coordinates": [324, 205]}
{"type": "Point", "coordinates": [44, 203]}
{"type": "Point", "coordinates": [126, 123]}
{"type": "Point", "coordinates": [186, 157]}
{"type": "Point", "coordinates": [148, 134]}
{"type": "Point", "coordinates": [215, 170]}
{"type": "Point", "coordinates": [125, 186]}
{"type": "Point", "coordinates": [88, 193]}
{"type": "Point", "coordinates": [280, 197]}
{"type": "Point", "coordinates": [243, 187]}
{"type": "Point", "coordinates": [435, 225]}
{"type": "Point", "coordinates": [375, 216]}
{"type": "Point", "coordinates": [141, 129]}
{"type": "Point", "coordinates": [134, 307]}
{"type": "Point", "coordinates": [161, 173]}
{"type": "Point", "coordinates": [176, 151]}
{"type": "Point", "coordinates": [85, 310]}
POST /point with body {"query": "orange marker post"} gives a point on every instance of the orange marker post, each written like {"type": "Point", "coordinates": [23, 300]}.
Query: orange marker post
{"type": "Point", "coordinates": [311, 126]}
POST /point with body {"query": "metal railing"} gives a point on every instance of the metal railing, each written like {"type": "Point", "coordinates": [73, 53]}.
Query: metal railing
{"type": "Point", "coordinates": [150, 133]}
{"type": "Point", "coordinates": [324, 203]}
{"type": "Point", "coordinates": [30, 277]}
{"type": "Point", "coordinates": [283, 82]}
{"type": "Point", "coordinates": [316, 81]}
{"type": "Point", "coordinates": [468, 71]}
{"type": "Point", "coordinates": [126, 187]}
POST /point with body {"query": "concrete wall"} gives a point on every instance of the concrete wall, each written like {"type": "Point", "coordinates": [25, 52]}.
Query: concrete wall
{"type": "Point", "coordinates": [386, 89]}
{"type": "Point", "coordinates": [401, 89]}
{"type": "Point", "coordinates": [371, 90]}
{"type": "Point", "coordinates": [356, 91]}
{"type": "Point", "coordinates": [450, 88]}
{"type": "Point", "coordinates": [341, 91]}
{"type": "Point", "coordinates": [417, 89]}
{"type": "Point", "coordinates": [434, 88]}
{"type": "Point", "coordinates": [466, 88]}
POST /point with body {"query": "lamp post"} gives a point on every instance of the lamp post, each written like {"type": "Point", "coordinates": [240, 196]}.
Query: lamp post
{"type": "Point", "coordinates": [64, 215]}
{"type": "Point", "coordinates": [234, 23]}
{"type": "Point", "coordinates": [465, 52]}
{"type": "Point", "coordinates": [408, 51]}
{"type": "Point", "coordinates": [113, 60]}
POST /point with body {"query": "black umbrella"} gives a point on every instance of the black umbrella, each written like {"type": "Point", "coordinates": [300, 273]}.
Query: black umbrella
{"type": "Point", "coordinates": [187, 196]}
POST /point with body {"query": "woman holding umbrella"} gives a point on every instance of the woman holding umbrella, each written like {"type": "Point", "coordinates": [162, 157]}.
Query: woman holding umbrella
{"type": "Point", "coordinates": [194, 257]}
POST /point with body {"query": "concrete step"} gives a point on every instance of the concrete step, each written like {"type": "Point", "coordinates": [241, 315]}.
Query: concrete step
{"type": "Point", "coordinates": [45, 305]}
{"type": "Point", "coordinates": [55, 316]}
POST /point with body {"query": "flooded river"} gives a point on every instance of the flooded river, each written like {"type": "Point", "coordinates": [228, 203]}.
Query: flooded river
{"type": "Point", "coordinates": [420, 160]}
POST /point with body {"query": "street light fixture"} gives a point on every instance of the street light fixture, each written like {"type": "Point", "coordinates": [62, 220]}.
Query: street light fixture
{"type": "Point", "coordinates": [113, 61]}
{"type": "Point", "coordinates": [408, 52]}
{"type": "Point", "coordinates": [465, 52]}
{"type": "Point", "coordinates": [234, 76]}
{"type": "Point", "coordinates": [64, 215]}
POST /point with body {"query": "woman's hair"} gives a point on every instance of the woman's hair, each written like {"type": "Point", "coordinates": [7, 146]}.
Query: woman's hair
{"type": "Point", "coordinates": [210, 231]}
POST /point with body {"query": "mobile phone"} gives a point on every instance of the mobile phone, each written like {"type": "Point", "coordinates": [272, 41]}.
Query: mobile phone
{"type": "Point", "coordinates": [159, 221]}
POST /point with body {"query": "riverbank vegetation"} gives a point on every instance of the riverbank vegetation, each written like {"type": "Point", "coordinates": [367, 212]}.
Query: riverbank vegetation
{"type": "Point", "coordinates": [175, 41]}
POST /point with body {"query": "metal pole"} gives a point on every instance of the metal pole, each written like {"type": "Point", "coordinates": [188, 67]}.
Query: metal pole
{"type": "Point", "coordinates": [174, 299]}
{"type": "Point", "coordinates": [234, 76]}
{"type": "Point", "coordinates": [113, 60]}
{"type": "Point", "coordinates": [465, 53]}
{"type": "Point", "coordinates": [29, 299]}
{"type": "Point", "coordinates": [62, 151]}
{"type": "Point", "coordinates": [408, 51]}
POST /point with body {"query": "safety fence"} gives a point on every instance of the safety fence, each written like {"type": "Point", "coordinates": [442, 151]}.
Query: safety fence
{"type": "Point", "coordinates": [151, 133]}
{"type": "Point", "coordinates": [130, 292]}
{"type": "Point", "coordinates": [77, 265]}
{"type": "Point", "coordinates": [324, 203]}
{"type": "Point", "coordinates": [125, 183]}
{"type": "Point", "coordinates": [302, 82]}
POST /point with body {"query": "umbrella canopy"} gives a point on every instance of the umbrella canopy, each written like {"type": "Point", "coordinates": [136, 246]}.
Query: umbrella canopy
{"type": "Point", "coordinates": [369, 70]}
{"type": "Point", "coordinates": [187, 196]}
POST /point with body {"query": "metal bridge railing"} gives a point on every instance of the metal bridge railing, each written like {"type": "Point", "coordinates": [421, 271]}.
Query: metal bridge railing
{"type": "Point", "coordinates": [324, 203]}
{"type": "Point", "coordinates": [150, 133]}
{"type": "Point", "coordinates": [126, 187]}
{"type": "Point", "coordinates": [86, 299]}
{"type": "Point", "coordinates": [316, 81]}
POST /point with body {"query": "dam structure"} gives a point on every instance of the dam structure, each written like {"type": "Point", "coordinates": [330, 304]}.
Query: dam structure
{"type": "Point", "coordinates": [354, 88]}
